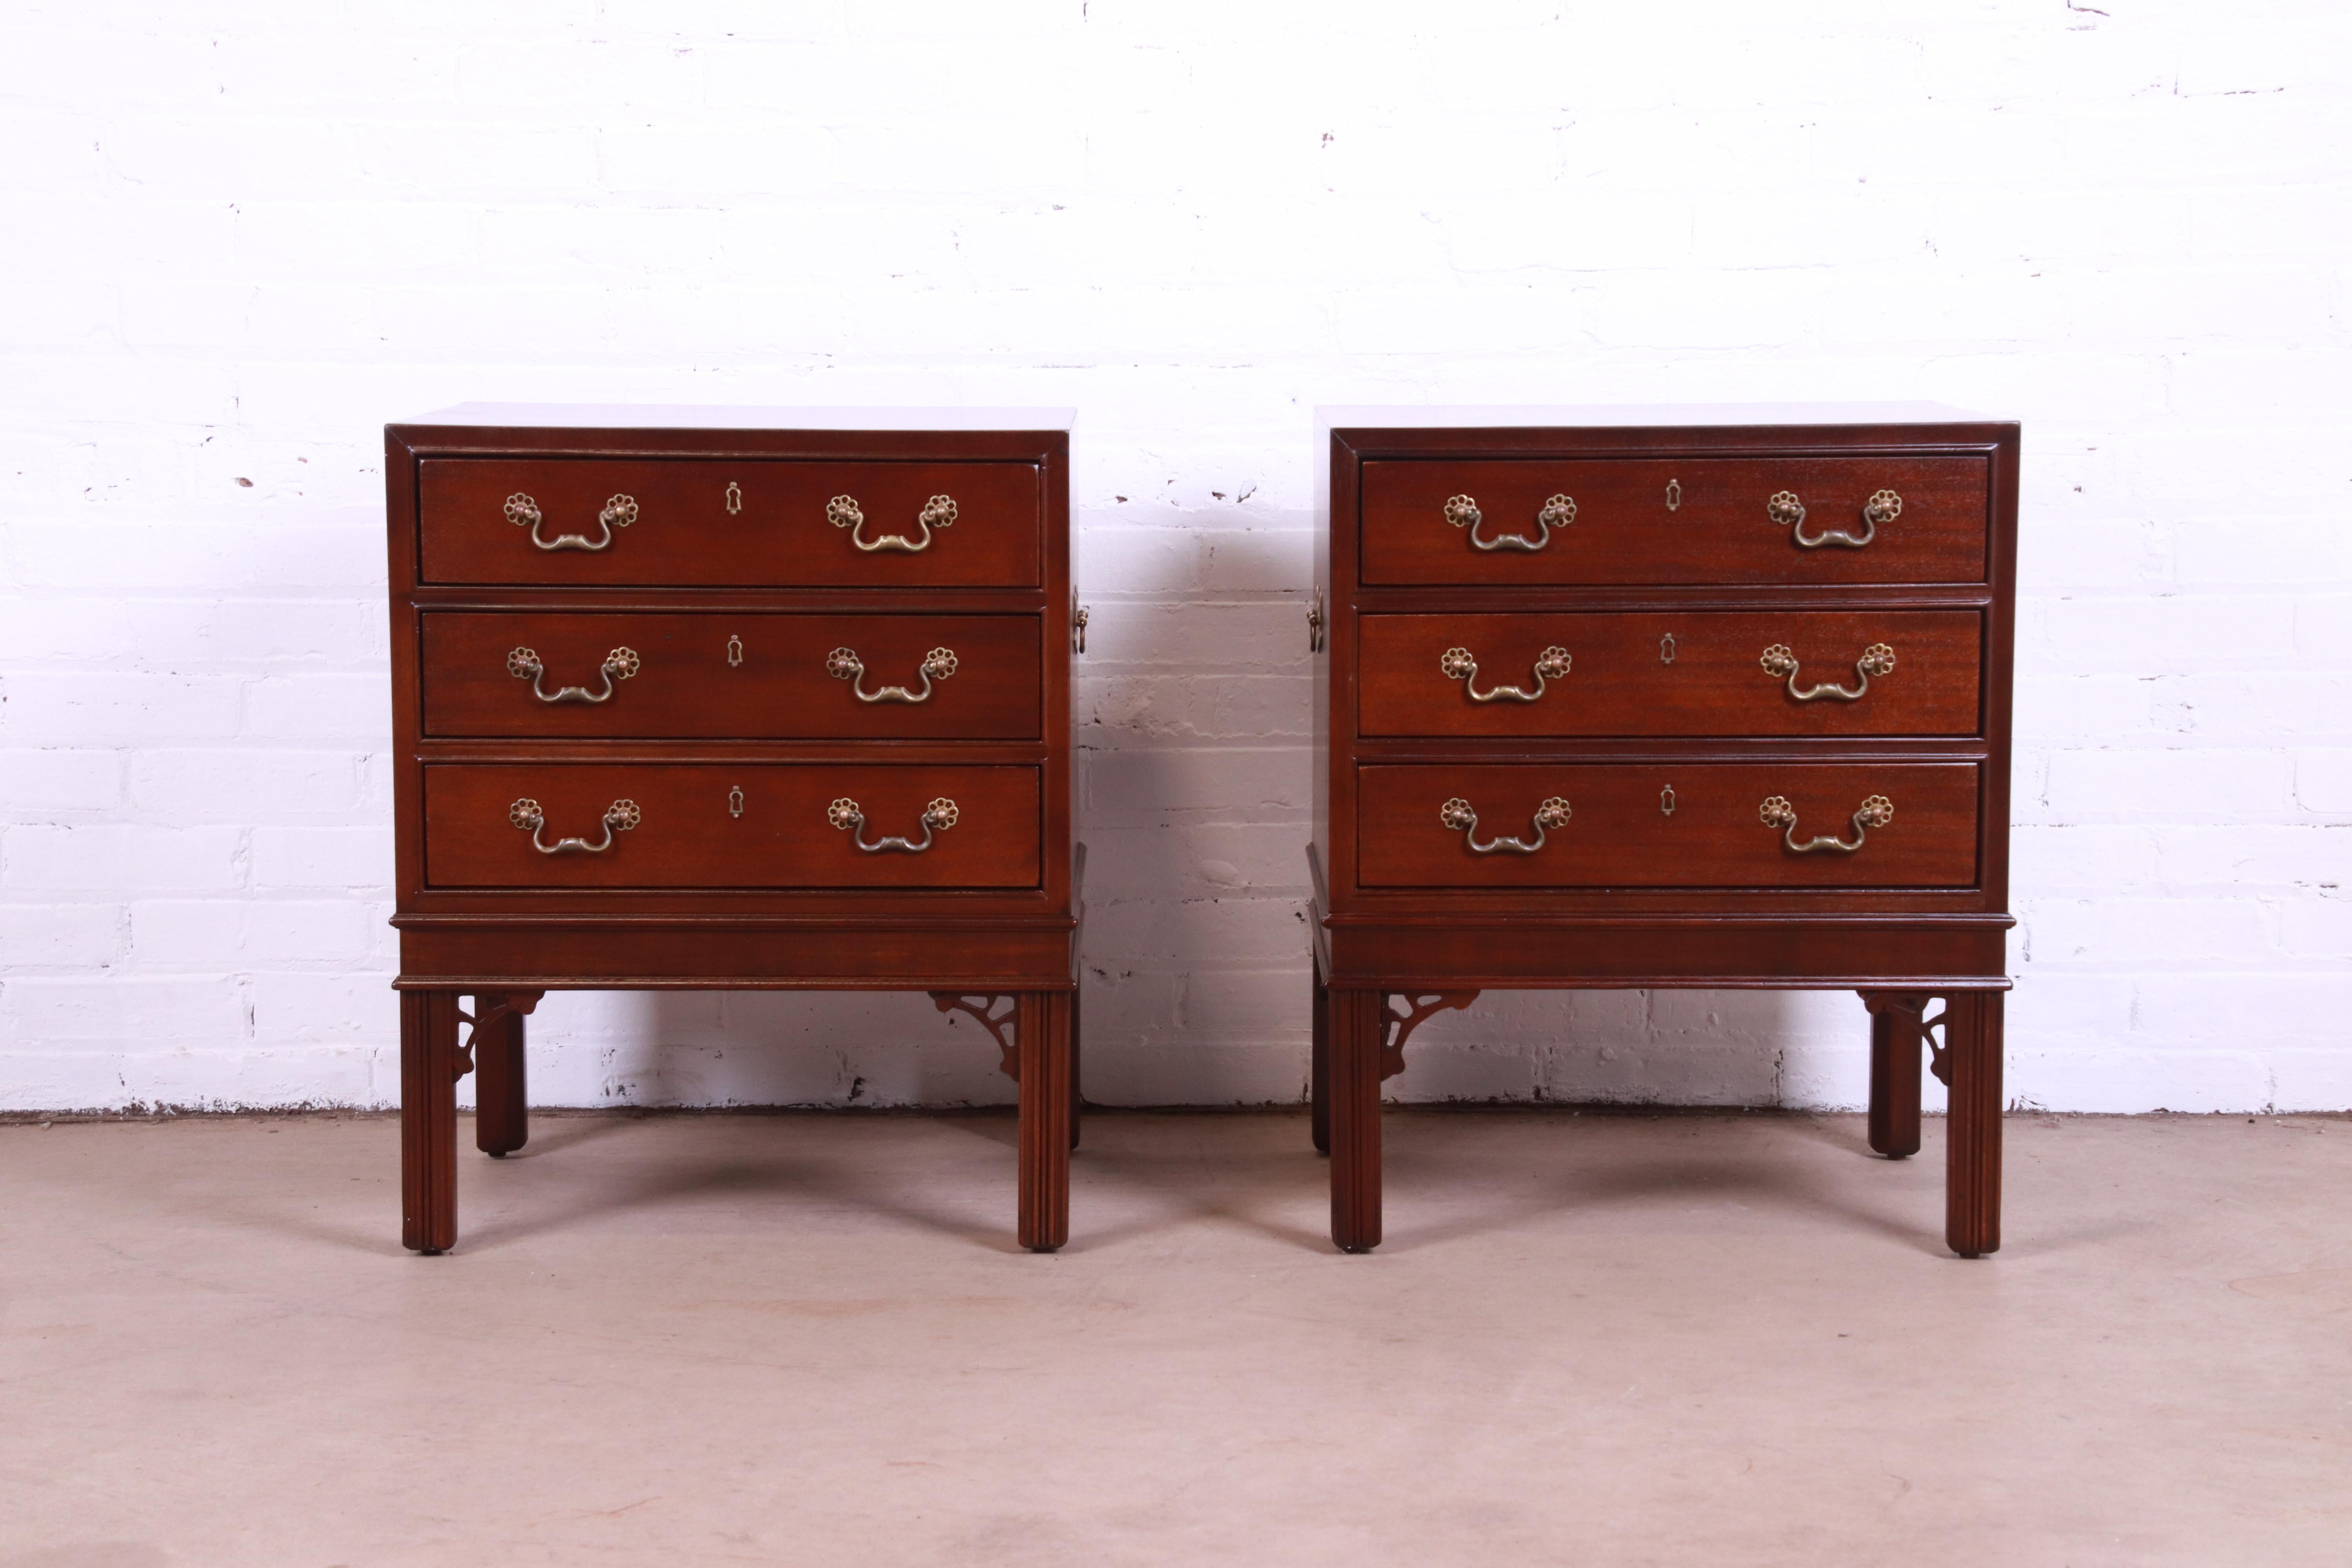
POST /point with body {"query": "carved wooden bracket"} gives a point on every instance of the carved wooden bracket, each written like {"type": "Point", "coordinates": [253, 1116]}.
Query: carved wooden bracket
{"type": "Point", "coordinates": [1916, 1005]}
{"type": "Point", "coordinates": [1008, 1044]}
{"type": "Point", "coordinates": [1419, 1005]}
{"type": "Point", "coordinates": [502, 1004]}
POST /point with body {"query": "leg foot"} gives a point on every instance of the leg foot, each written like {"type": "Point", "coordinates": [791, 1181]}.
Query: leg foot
{"type": "Point", "coordinates": [1972, 1049]}
{"type": "Point", "coordinates": [428, 1120]}
{"type": "Point", "coordinates": [1895, 1049]}
{"type": "Point", "coordinates": [1356, 1024]}
{"type": "Point", "coordinates": [1043, 1032]}
{"type": "Point", "coordinates": [1319, 1077]}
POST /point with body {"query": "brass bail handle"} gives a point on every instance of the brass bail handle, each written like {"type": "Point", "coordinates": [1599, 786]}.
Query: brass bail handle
{"type": "Point", "coordinates": [1875, 811]}
{"type": "Point", "coordinates": [843, 663]}
{"type": "Point", "coordinates": [1788, 511]}
{"type": "Point", "coordinates": [846, 815]}
{"type": "Point", "coordinates": [843, 512]}
{"type": "Point", "coordinates": [619, 817]}
{"type": "Point", "coordinates": [1456, 664]}
{"type": "Point", "coordinates": [524, 664]}
{"type": "Point", "coordinates": [619, 513]}
{"type": "Point", "coordinates": [1456, 815]}
{"type": "Point", "coordinates": [1877, 659]}
{"type": "Point", "coordinates": [1559, 511]}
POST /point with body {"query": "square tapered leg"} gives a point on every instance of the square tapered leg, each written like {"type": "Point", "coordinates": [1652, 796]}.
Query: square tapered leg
{"type": "Point", "coordinates": [1042, 1023]}
{"type": "Point", "coordinates": [1355, 1020]}
{"type": "Point", "coordinates": [428, 1120]}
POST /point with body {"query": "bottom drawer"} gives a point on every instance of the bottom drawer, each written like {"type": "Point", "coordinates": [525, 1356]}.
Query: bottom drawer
{"type": "Point", "coordinates": [1674, 824]}
{"type": "Point", "coordinates": [614, 824]}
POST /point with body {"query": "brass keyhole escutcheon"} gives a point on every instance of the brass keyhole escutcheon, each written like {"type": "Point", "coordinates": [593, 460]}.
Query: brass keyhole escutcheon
{"type": "Point", "coordinates": [734, 651]}
{"type": "Point", "coordinates": [734, 497]}
{"type": "Point", "coordinates": [1666, 648]}
{"type": "Point", "coordinates": [1673, 495]}
{"type": "Point", "coordinates": [1666, 801]}
{"type": "Point", "coordinates": [735, 801]}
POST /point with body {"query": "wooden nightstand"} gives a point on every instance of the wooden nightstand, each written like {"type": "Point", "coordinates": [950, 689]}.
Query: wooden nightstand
{"type": "Point", "coordinates": [1666, 698]}
{"type": "Point", "coordinates": [730, 698]}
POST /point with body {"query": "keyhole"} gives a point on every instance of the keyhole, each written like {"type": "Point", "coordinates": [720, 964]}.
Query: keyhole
{"type": "Point", "coordinates": [1673, 495]}
{"type": "Point", "coordinates": [735, 801]}
{"type": "Point", "coordinates": [1666, 648]}
{"type": "Point", "coordinates": [734, 497]}
{"type": "Point", "coordinates": [734, 650]}
{"type": "Point", "coordinates": [1666, 801]}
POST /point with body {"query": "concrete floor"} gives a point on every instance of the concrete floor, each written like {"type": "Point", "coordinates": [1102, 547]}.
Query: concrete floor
{"type": "Point", "coordinates": [808, 1339]}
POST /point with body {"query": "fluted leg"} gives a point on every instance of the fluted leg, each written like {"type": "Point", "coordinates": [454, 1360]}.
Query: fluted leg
{"type": "Point", "coordinates": [1972, 1050]}
{"type": "Point", "coordinates": [1078, 1096]}
{"type": "Point", "coordinates": [1043, 1025]}
{"type": "Point", "coordinates": [428, 1120]}
{"type": "Point", "coordinates": [501, 1120]}
{"type": "Point", "coordinates": [1354, 1030]}
{"type": "Point", "coordinates": [1895, 1049]}
{"type": "Point", "coordinates": [1319, 1072]}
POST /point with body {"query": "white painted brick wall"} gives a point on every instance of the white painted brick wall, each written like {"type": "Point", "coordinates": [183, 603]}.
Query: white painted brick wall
{"type": "Point", "coordinates": [234, 239]}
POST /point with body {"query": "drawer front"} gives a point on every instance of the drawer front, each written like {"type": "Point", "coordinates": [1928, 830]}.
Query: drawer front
{"type": "Point", "coordinates": [616, 824]}
{"type": "Point", "coordinates": [758, 523]}
{"type": "Point", "coordinates": [1673, 521]}
{"type": "Point", "coordinates": [733, 676]}
{"type": "Point", "coordinates": [1778, 672]}
{"type": "Point", "coordinates": [1667, 825]}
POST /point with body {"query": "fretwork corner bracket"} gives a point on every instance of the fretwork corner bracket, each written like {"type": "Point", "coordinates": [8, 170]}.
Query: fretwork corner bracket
{"type": "Point", "coordinates": [1397, 1027]}
{"type": "Point", "coordinates": [1008, 1043]}
{"type": "Point", "coordinates": [499, 1004]}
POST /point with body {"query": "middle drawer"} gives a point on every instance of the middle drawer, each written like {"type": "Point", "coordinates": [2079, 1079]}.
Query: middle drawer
{"type": "Point", "coordinates": [639, 675]}
{"type": "Point", "coordinates": [1701, 672]}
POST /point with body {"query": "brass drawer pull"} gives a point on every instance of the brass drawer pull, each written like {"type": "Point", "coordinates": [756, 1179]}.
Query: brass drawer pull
{"type": "Point", "coordinates": [620, 664]}
{"type": "Point", "coordinates": [619, 817]}
{"type": "Point", "coordinates": [1786, 510]}
{"type": "Point", "coordinates": [1456, 815]}
{"type": "Point", "coordinates": [619, 513]}
{"type": "Point", "coordinates": [843, 663]}
{"type": "Point", "coordinates": [1557, 512]}
{"type": "Point", "coordinates": [843, 512]}
{"type": "Point", "coordinates": [1878, 658]}
{"type": "Point", "coordinates": [1875, 811]}
{"type": "Point", "coordinates": [1552, 664]}
{"type": "Point", "coordinates": [843, 814]}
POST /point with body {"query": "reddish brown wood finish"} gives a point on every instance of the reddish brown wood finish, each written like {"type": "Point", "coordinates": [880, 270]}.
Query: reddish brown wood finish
{"type": "Point", "coordinates": [695, 895]}
{"type": "Point", "coordinates": [732, 675]}
{"type": "Point", "coordinates": [689, 835]}
{"type": "Point", "coordinates": [1721, 533]}
{"type": "Point", "coordinates": [1663, 673]}
{"type": "Point", "coordinates": [1625, 893]}
{"type": "Point", "coordinates": [683, 534]}
{"type": "Point", "coordinates": [1621, 835]}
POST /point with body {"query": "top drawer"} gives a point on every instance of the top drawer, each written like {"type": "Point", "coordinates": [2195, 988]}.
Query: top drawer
{"type": "Point", "coordinates": [693, 522]}
{"type": "Point", "coordinates": [1671, 520]}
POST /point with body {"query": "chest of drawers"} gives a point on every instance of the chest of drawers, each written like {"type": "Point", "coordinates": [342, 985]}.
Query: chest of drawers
{"type": "Point", "coordinates": [730, 698]}
{"type": "Point", "coordinates": [1643, 700]}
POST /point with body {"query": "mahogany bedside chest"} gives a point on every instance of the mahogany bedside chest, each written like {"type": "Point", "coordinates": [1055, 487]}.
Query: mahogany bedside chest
{"type": "Point", "coordinates": [1666, 698]}
{"type": "Point", "coordinates": [730, 698]}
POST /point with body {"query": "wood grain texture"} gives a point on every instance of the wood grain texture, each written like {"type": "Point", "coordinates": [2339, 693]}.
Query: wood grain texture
{"type": "Point", "coordinates": [1045, 1031]}
{"type": "Point", "coordinates": [1659, 673]}
{"type": "Point", "coordinates": [730, 675]}
{"type": "Point", "coordinates": [1357, 1027]}
{"type": "Point", "coordinates": [1625, 891]}
{"type": "Point", "coordinates": [712, 888]}
{"type": "Point", "coordinates": [688, 835]}
{"type": "Point", "coordinates": [1624, 532]}
{"type": "Point", "coordinates": [684, 535]}
{"type": "Point", "coordinates": [428, 1120]}
{"type": "Point", "coordinates": [1622, 836]}
{"type": "Point", "coordinates": [1974, 1052]}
